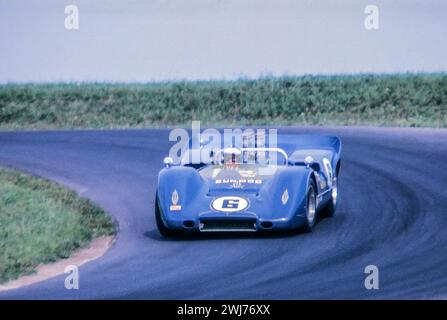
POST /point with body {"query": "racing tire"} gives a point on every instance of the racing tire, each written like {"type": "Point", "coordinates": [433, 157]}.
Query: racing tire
{"type": "Point", "coordinates": [331, 206]}
{"type": "Point", "coordinates": [311, 208]}
{"type": "Point", "coordinates": [162, 229]}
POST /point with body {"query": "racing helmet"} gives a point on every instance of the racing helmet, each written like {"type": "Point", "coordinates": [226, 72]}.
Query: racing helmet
{"type": "Point", "coordinates": [232, 155]}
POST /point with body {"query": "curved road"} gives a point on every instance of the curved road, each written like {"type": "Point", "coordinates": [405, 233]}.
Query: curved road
{"type": "Point", "coordinates": [392, 213]}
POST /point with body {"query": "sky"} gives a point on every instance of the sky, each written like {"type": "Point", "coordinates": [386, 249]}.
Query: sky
{"type": "Point", "coordinates": [162, 40]}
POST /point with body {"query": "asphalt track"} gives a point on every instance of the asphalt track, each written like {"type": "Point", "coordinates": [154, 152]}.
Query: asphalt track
{"type": "Point", "coordinates": [392, 213]}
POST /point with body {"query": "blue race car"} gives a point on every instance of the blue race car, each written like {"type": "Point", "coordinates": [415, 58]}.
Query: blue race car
{"type": "Point", "coordinates": [241, 190]}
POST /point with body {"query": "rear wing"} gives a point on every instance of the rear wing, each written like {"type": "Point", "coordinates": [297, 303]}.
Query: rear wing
{"type": "Point", "coordinates": [316, 146]}
{"type": "Point", "coordinates": [293, 142]}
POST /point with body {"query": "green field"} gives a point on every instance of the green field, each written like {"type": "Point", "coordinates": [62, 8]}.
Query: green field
{"type": "Point", "coordinates": [384, 100]}
{"type": "Point", "coordinates": [41, 222]}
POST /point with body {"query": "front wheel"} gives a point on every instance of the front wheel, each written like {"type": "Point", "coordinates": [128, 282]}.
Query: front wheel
{"type": "Point", "coordinates": [311, 208]}
{"type": "Point", "coordinates": [164, 231]}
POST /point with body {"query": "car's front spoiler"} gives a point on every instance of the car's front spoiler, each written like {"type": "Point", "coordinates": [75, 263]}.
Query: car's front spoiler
{"type": "Point", "coordinates": [230, 223]}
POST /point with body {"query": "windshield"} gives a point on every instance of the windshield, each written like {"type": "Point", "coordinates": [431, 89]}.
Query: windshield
{"type": "Point", "coordinates": [259, 156]}
{"type": "Point", "coordinates": [228, 173]}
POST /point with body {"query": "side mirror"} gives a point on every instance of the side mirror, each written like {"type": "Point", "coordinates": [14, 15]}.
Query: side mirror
{"type": "Point", "coordinates": [310, 163]}
{"type": "Point", "coordinates": [168, 161]}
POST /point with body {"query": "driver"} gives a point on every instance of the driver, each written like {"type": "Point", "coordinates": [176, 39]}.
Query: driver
{"type": "Point", "coordinates": [232, 156]}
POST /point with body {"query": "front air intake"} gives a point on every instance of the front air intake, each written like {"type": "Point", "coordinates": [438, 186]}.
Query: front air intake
{"type": "Point", "coordinates": [188, 224]}
{"type": "Point", "coordinates": [266, 224]}
{"type": "Point", "coordinates": [228, 225]}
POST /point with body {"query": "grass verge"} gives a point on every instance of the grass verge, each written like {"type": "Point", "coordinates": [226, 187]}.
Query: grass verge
{"type": "Point", "coordinates": [415, 100]}
{"type": "Point", "coordinates": [41, 222]}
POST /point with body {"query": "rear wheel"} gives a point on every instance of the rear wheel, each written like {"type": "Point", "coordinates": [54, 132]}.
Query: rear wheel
{"type": "Point", "coordinates": [329, 209]}
{"type": "Point", "coordinates": [311, 208]}
{"type": "Point", "coordinates": [164, 231]}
